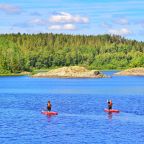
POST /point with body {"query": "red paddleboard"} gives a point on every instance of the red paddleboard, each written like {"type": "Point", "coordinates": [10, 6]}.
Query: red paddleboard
{"type": "Point", "coordinates": [111, 110]}
{"type": "Point", "coordinates": [49, 113]}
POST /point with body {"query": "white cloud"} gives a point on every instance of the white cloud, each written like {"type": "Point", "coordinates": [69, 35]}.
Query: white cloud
{"type": "Point", "coordinates": [64, 17]}
{"type": "Point", "coordinates": [11, 9]}
{"type": "Point", "coordinates": [62, 27]}
{"type": "Point", "coordinates": [69, 27]}
{"type": "Point", "coordinates": [38, 21]}
{"type": "Point", "coordinates": [55, 27]}
{"type": "Point", "coordinates": [122, 31]}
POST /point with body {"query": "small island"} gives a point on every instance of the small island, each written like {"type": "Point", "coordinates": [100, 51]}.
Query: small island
{"type": "Point", "coordinates": [132, 72]}
{"type": "Point", "coordinates": [71, 72]}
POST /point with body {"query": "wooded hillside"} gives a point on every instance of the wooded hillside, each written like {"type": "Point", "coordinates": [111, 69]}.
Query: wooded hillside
{"type": "Point", "coordinates": [25, 52]}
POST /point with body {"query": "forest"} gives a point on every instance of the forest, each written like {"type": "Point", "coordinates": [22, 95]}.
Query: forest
{"type": "Point", "coordinates": [28, 52]}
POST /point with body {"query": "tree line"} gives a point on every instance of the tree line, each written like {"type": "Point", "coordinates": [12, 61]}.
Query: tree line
{"type": "Point", "coordinates": [26, 52]}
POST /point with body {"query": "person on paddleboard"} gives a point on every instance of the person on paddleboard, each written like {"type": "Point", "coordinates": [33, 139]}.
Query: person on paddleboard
{"type": "Point", "coordinates": [109, 104]}
{"type": "Point", "coordinates": [49, 106]}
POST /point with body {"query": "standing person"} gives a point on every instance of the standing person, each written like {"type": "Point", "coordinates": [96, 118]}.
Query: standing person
{"type": "Point", "coordinates": [49, 106]}
{"type": "Point", "coordinates": [110, 104]}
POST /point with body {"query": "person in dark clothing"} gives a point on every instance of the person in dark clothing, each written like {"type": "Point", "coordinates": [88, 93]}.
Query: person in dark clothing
{"type": "Point", "coordinates": [110, 104]}
{"type": "Point", "coordinates": [49, 106]}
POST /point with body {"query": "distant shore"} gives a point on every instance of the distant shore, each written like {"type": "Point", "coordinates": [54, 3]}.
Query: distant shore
{"type": "Point", "coordinates": [77, 72]}
{"type": "Point", "coordinates": [16, 74]}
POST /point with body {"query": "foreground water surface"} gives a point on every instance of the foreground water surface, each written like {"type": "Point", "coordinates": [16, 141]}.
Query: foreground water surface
{"type": "Point", "coordinates": [80, 104]}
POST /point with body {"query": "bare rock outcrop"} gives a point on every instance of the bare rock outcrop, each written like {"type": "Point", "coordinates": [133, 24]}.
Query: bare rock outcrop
{"type": "Point", "coordinates": [71, 72]}
{"type": "Point", "coordinates": [132, 72]}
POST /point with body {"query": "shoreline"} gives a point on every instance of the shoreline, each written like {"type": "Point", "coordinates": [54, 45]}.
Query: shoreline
{"type": "Point", "coordinates": [14, 74]}
{"type": "Point", "coordinates": [118, 73]}
{"type": "Point", "coordinates": [3, 75]}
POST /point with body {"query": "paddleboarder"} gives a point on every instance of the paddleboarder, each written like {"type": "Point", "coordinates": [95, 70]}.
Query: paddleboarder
{"type": "Point", "coordinates": [109, 104]}
{"type": "Point", "coordinates": [49, 106]}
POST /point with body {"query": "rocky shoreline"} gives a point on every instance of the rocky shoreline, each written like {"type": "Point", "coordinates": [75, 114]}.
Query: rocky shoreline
{"type": "Point", "coordinates": [132, 72]}
{"type": "Point", "coordinates": [71, 72]}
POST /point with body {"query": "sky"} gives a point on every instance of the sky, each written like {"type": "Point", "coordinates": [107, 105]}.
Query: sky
{"type": "Point", "coordinates": [88, 17]}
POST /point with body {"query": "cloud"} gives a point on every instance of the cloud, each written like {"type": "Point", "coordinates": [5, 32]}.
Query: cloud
{"type": "Point", "coordinates": [64, 17]}
{"type": "Point", "coordinates": [55, 27]}
{"type": "Point", "coordinates": [69, 27]}
{"type": "Point", "coordinates": [10, 9]}
{"type": "Point", "coordinates": [122, 31]}
{"type": "Point", "coordinates": [31, 23]}
{"type": "Point", "coordinates": [38, 21]}
{"type": "Point", "coordinates": [62, 27]}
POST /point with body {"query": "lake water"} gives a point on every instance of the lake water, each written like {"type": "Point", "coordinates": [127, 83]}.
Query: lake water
{"type": "Point", "coordinates": [80, 104]}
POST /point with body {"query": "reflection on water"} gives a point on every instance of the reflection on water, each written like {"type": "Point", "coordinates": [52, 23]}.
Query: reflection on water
{"type": "Point", "coordinates": [110, 115]}
{"type": "Point", "coordinates": [49, 118]}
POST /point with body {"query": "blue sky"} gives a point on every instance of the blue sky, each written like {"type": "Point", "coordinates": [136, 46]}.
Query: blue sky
{"type": "Point", "coordinates": [90, 17]}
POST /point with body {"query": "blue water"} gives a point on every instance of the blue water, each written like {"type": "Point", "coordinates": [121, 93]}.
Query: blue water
{"type": "Point", "coordinates": [80, 103]}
